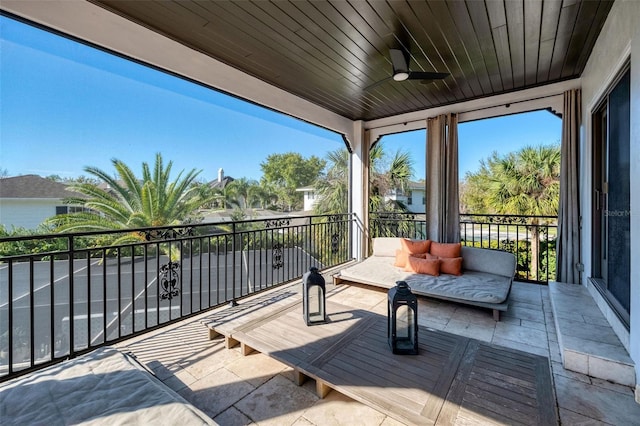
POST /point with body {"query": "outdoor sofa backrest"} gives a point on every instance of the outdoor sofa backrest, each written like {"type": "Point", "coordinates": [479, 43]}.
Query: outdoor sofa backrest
{"type": "Point", "coordinates": [386, 246]}
{"type": "Point", "coordinates": [473, 258]}
{"type": "Point", "coordinates": [487, 260]}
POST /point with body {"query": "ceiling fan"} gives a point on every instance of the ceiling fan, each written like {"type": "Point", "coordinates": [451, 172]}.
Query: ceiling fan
{"type": "Point", "coordinates": [401, 72]}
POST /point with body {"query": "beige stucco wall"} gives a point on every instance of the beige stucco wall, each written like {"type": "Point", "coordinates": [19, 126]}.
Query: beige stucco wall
{"type": "Point", "coordinates": [619, 40]}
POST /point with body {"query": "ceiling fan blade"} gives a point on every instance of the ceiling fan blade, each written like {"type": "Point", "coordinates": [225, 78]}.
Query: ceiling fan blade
{"type": "Point", "coordinates": [419, 75]}
{"type": "Point", "coordinates": [377, 83]}
{"type": "Point", "coordinates": [399, 60]}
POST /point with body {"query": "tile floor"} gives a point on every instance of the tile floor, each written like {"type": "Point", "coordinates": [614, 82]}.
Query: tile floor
{"type": "Point", "coordinates": [256, 390]}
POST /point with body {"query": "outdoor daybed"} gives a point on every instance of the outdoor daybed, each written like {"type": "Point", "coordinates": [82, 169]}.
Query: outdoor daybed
{"type": "Point", "coordinates": [486, 279]}
{"type": "Point", "coordinates": [104, 387]}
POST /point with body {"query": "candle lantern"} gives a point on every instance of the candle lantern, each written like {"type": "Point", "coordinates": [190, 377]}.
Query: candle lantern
{"type": "Point", "coordinates": [313, 297]}
{"type": "Point", "coordinates": [402, 320]}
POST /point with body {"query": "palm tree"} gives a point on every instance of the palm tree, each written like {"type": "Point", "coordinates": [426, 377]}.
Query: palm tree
{"type": "Point", "coordinates": [130, 202]}
{"type": "Point", "coordinates": [240, 191]}
{"type": "Point", "coordinates": [332, 187]}
{"type": "Point", "coordinates": [384, 179]}
{"type": "Point", "coordinates": [266, 194]}
{"type": "Point", "coordinates": [526, 182]}
{"type": "Point", "coordinates": [212, 197]}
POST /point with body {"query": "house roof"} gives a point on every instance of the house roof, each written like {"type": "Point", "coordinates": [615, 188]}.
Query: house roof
{"type": "Point", "coordinates": [221, 183]}
{"type": "Point", "coordinates": [332, 52]}
{"type": "Point", "coordinates": [33, 186]}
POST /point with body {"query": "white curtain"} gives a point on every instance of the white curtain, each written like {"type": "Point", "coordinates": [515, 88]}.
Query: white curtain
{"type": "Point", "coordinates": [568, 240]}
{"type": "Point", "coordinates": [442, 204]}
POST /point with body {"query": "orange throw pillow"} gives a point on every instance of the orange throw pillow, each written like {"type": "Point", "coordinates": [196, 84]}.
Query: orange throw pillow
{"type": "Point", "coordinates": [451, 265]}
{"type": "Point", "coordinates": [415, 246]}
{"type": "Point", "coordinates": [401, 257]}
{"type": "Point", "coordinates": [445, 249]}
{"type": "Point", "coordinates": [423, 266]}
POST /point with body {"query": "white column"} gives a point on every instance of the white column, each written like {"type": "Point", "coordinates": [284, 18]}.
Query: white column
{"type": "Point", "coordinates": [358, 189]}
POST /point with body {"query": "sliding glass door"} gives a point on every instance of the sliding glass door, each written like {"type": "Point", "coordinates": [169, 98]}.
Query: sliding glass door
{"type": "Point", "coordinates": [611, 198]}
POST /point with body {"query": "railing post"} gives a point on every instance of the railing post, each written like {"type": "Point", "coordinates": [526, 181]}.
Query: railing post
{"type": "Point", "coordinates": [350, 230]}
{"type": "Point", "coordinates": [71, 298]}
{"type": "Point", "coordinates": [233, 265]}
{"type": "Point", "coordinates": [32, 314]}
{"type": "Point", "coordinates": [10, 319]}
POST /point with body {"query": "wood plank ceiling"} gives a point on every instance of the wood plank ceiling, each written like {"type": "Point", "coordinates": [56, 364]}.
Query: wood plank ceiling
{"type": "Point", "coordinates": [330, 52]}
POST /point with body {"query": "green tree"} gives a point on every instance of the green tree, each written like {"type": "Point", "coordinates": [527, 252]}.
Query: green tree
{"type": "Point", "coordinates": [261, 195]}
{"type": "Point", "coordinates": [526, 182]}
{"type": "Point", "coordinates": [386, 175]}
{"type": "Point", "coordinates": [211, 197]}
{"type": "Point", "coordinates": [82, 179]}
{"type": "Point", "coordinates": [332, 188]}
{"type": "Point", "coordinates": [240, 190]}
{"type": "Point", "coordinates": [265, 195]}
{"type": "Point", "coordinates": [132, 202]}
{"type": "Point", "coordinates": [287, 172]}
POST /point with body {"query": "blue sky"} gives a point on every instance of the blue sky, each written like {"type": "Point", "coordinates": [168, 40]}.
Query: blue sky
{"type": "Point", "coordinates": [478, 139]}
{"type": "Point", "coordinates": [65, 106]}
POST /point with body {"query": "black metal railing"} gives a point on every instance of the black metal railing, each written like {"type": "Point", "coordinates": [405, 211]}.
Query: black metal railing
{"type": "Point", "coordinates": [392, 224]}
{"type": "Point", "coordinates": [64, 294]}
{"type": "Point", "coordinates": [532, 239]}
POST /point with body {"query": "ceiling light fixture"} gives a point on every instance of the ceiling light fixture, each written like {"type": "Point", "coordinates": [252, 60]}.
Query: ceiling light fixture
{"type": "Point", "coordinates": [400, 76]}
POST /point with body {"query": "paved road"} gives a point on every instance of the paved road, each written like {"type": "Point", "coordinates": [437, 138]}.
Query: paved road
{"type": "Point", "coordinates": [101, 290]}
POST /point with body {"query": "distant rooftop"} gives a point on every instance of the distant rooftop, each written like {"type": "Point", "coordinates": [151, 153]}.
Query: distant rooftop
{"type": "Point", "coordinates": [222, 180]}
{"type": "Point", "coordinates": [33, 186]}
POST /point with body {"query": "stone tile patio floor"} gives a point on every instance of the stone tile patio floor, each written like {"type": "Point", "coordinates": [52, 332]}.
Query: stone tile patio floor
{"type": "Point", "coordinates": [255, 389]}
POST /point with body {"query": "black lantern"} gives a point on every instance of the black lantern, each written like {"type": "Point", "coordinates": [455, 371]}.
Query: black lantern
{"type": "Point", "coordinates": [402, 318]}
{"type": "Point", "coordinates": [313, 303]}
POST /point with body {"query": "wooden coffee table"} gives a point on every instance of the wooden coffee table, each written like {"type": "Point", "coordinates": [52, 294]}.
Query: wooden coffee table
{"type": "Point", "coordinates": [453, 380]}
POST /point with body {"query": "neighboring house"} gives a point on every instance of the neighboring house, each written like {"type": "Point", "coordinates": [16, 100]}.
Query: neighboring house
{"type": "Point", "coordinates": [221, 183]}
{"type": "Point", "coordinates": [26, 201]}
{"type": "Point", "coordinates": [413, 199]}
{"type": "Point", "coordinates": [309, 197]}
{"type": "Point", "coordinates": [222, 180]}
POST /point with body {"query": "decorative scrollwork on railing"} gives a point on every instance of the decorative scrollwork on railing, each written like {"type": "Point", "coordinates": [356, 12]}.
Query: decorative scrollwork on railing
{"type": "Point", "coordinates": [334, 218]}
{"type": "Point", "coordinates": [167, 234]}
{"type": "Point", "coordinates": [169, 280]}
{"type": "Point", "coordinates": [276, 257]}
{"type": "Point", "coordinates": [497, 219]}
{"type": "Point", "coordinates": [394, 216]}
{"type": "Point", "coordinates": [335, 243]}
{"type": "Point", "coordinates": [276, 223]}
